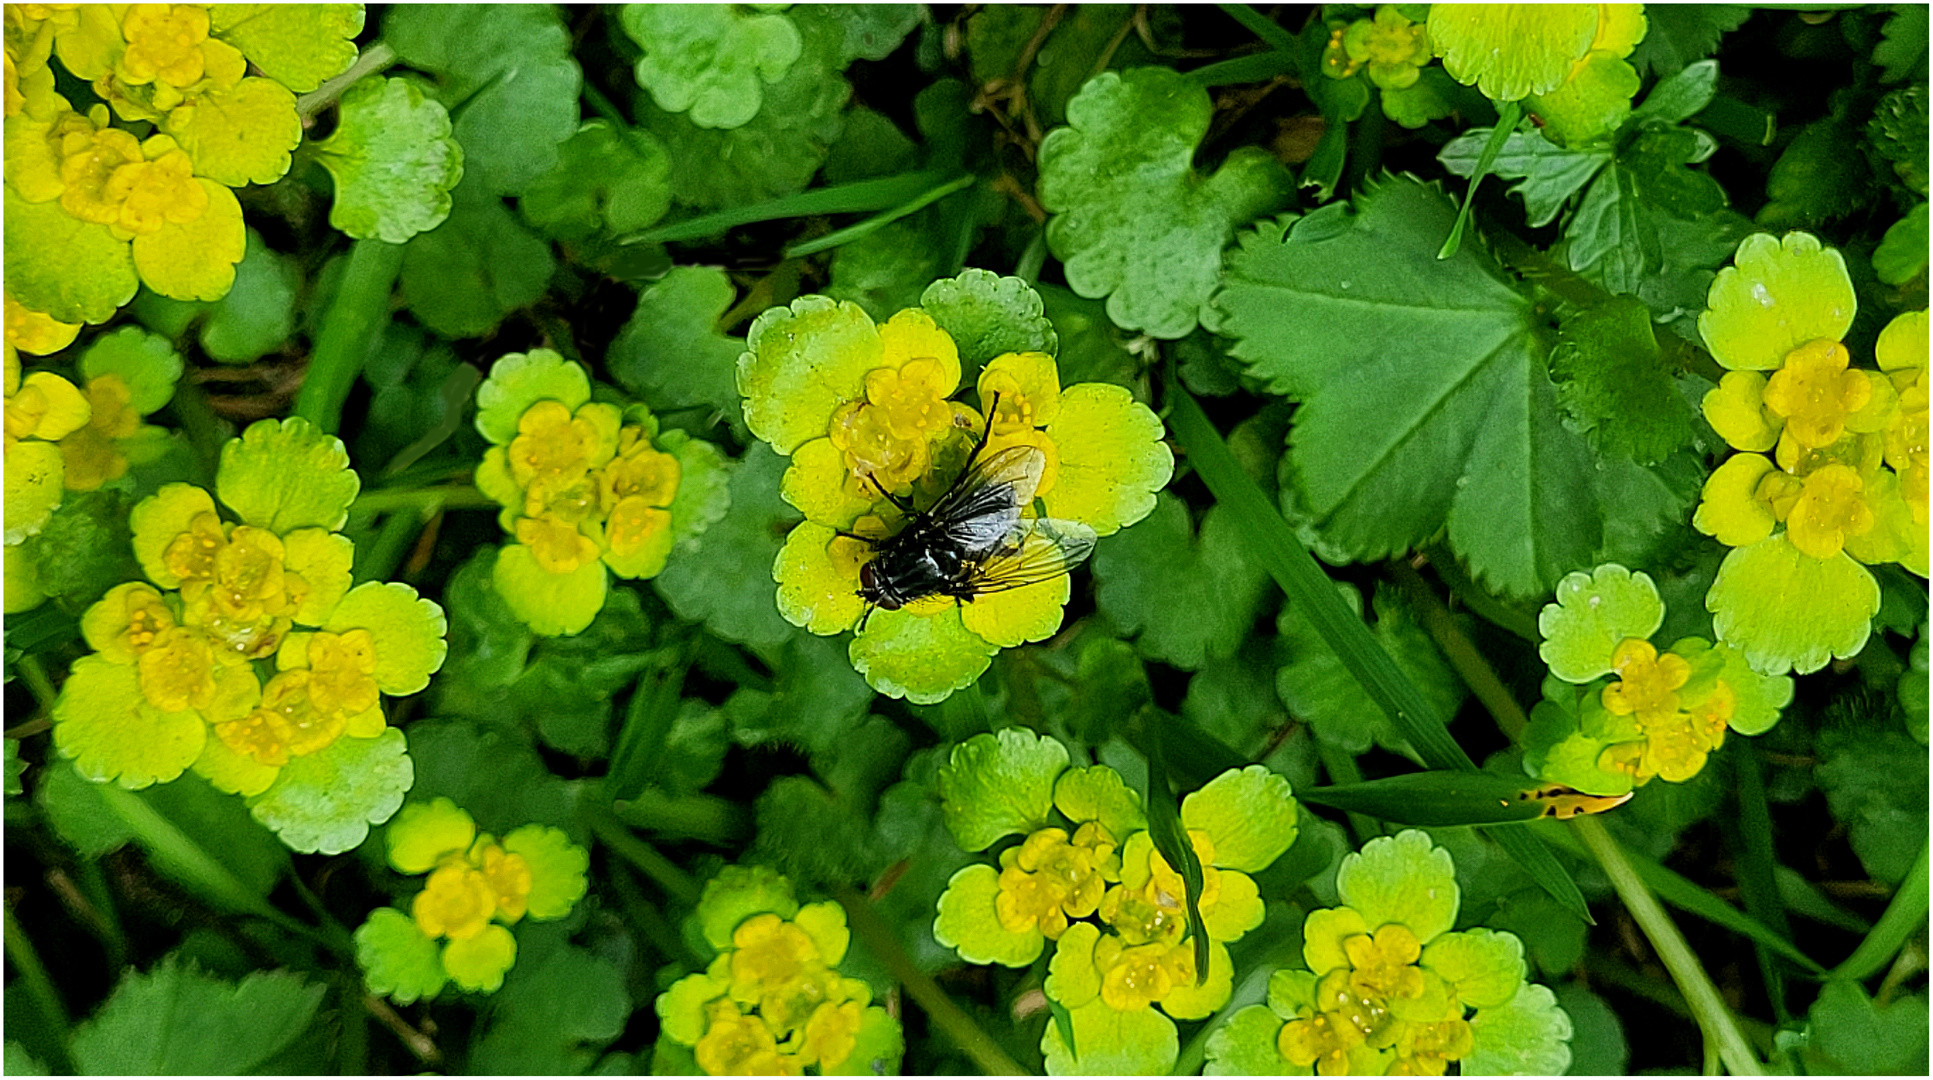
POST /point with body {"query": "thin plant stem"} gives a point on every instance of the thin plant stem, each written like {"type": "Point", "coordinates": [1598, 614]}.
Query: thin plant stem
{"type": "Point", "coordinates": [1714, 1017]}
{"type": "Point", "coordinates": [620, 839]}
{"type": "Point", "coordinates": [1462, 653]}
{"type": "Point", "coordinates": [373, 59]}
{"type": "Point", "coordinates": [424, 500]}
{"type": "Point", "coordinates": [40, 988]}
{"type": "Point", "coordinates": [879, 939]}
{"type": "Point", "coordinates": [35, 676]}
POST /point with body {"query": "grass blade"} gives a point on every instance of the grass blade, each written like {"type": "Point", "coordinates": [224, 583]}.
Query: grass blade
{"type": "Point", "coordinates": [860, 196]}
{"type": "Point", "coordinates": [1904, 915]}
{"type": "Point", "coordinates": [1451, 797]}
{"type": "Point", "coordinates": [1273, 544]}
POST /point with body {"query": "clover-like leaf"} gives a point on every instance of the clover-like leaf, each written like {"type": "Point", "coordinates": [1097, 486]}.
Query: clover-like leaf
{"type": "Point", "coordinates": [397, 959]}
{"type": "Point", "coordinates": [408, 631]}
{"type": "Point", "coordinates": [73, 270]}
{"type": "Point", "coordinates": [1133, 221]}
{"type": "Point", "coordinates": [997, 785]}
{"type": "Point", "coordinates": [712, 61]}
{"type": "Point", "coordinates": [1191, 599]}
{"type": "Point", "coordinates": [801, 362]}
{"type": "Point", "coordinates": [297, 45]}
{"type": "Point", "coordinates": [986, 315]}
{"type": "Point", "coordinates": [1403, 879]}
{"type": "Point", "coordinates": [1527, 1036]}
{"type": "Point", "coordinates": [175, 1020]}
{"type": "Point", "coordinates": [557, 868]}
{"type": "Point", "coordinates": [1777, 295]}
{"type": "Point", "coordinates": [1394, 442]}
{"type": "Point", "coordinates": [462, 277]}
{"type": "Point", "coordinates": [1246, 1045]}
{"type": "Point", "coordinates": [606, 178]}
{"type": "Point", "coordinates": [1592, 614]}
{"type": "Point", "coordinates": [1318, 688]}
{"type": "Point", "coordinates": [671, 353]}
{"type": "Point", "coordinates": [1248, 813]}
{"type": "Point", "coordinates": [1787, 611]}
{"type": "Point", "coordinates": [393, 160]}
{"type": "Point", "coordinates": [284, 475]}
{"type": "Point", "coordinates": [327, 801]}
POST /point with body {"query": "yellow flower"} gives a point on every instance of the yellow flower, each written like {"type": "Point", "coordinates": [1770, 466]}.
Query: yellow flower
{"type": "Point", "coordinates": [1047, 880]}
{"type": "Point", "coordinates": [91, 457]}
{"type": "Point", "coordinates": [1814, 392]}
{"type": "Point", "coordinates": [1321, 1040]}
{"type": "Point", "coordinates": [35, 332]}
{"type": "Point", "coordinates": [768, 952]}
{"type": "Point", "coordinates": [178, 670]}
{"type": "Point", "coordinates": [286, 724]}
{"type": "Point", "coordinates": [556, 544]}
{"type": "Point", "coordinates": [1136, 976]}
{"type": "Point", "coordinates": [1648, 683]}
{"type": "Point", "coordinates": [457, 902]}
{"type": "Point", "coordinates": [1829, 512]}
{"type": "Point", "coordinates": [508, 875]}
{"type": "Point", "coordinates": [1385, 963]}
{"type": "Point", "coordinates": [738, 1045]}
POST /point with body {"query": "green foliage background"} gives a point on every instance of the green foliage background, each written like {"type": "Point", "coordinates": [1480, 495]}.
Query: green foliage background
{"type": "Point", "coordinates": [633, 208]}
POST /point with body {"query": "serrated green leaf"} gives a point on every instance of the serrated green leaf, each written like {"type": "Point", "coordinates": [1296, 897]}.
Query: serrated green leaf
{"type": "Point", "coordinates": [710, 582]}
{"type": "Point", "coordinates": [554, 1017]}
{"type": "Point", "coordinates": [1850, 1033]}
{"type": "Point", "coordinates": [1612, 381]}
{"type": "Point", "coordinates": [463, 277]}
{"type": "Point", "coordinates": [1319, 690]}
{"type": "Point", "coordinates": [1134, 222]}
{"type": "Point", "coordinates": [711, 62]}
{"type": "Point", "coordinates": [1549, 174]}
{"type": "Point", "coordinates": [1902, 53]}
{"type": "Point", "coordinates": [176, 1020]}
{"type": "Point", "coordinates": [1189, 598]}
{"type": "Point", "coordinates": [394, 162]}
{"type": "Point", "coordinates": [1678, 34]}
{"type": "Point", "coordinates": [1869, 774]}
{"type": "Point", "coordinates": [1822, 176]}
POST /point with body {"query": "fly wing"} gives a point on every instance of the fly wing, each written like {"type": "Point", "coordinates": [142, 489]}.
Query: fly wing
{"type": "Point", "coordinates": [980, 512]}
{"type": "Point", "coordinates": [1038, 549]}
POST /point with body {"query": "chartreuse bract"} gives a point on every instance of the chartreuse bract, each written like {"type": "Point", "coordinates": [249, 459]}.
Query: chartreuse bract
{"type": "Point", "coordinates": [771, 1000]}
{"type": "Point", "coordinates": [1845, 482]}
{"type": "Point", "coordinates": [247, 656]}
{"type": "Point", "coordinates": [1619, 710]}
{"type": "Point", "coordinates": [457, 929]}
{"type": "Point", "coordinates": [1085, 879]}
{"type": "Point", "coordinates": [1389, 988]}
{"type": "Point", "coordinates": [588, 489]}
{"type": "Point", "coordinates": [138, 187]}
{"type": "Point", "coordinates": [866, 412]}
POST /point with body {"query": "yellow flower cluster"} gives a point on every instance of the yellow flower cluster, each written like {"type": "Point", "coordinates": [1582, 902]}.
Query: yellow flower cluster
{"type": "Point", "coordinates": [1050, 879]}
{"type": "Point", "coordinates": [41, 409]}
{"type": "Point", "coordinates": [584, 476]}
{"type": "Point", "coordinates": [1675, 734]}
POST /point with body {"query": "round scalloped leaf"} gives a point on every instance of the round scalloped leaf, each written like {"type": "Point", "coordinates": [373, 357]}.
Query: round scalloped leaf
{"type": "Point", "coordinates": [147, 363]}
{"type": "Point", "coordinates": [241, 135]}
{"type": "Point", "coordinates": [326, 802]}
{"type": "Point", "coordinates": [464, 276]}
{"type": "Point", "coordinates": [74, 271]}
{"type": "Point", "coordinates": [1133, 221]}
{"type": "Point", "coordinates": [878, 1047]}
{"type": "Point", "coordinates": [258, 314]}
{"type": "Point", "coordinates": [825, 924]}
{"type": "Point", "coordinates": [968, 923]}
{"type": "Point", "coordinates": [1776, 296]}
{"type": "Point", "coordinates": [1511, 51]}
{"type": "Point", "coordinates": [422, 833]}
{"type": "Point", "coordinates": [478, 964]}
{"type": "Point", "coordinates": [704, 487]}
{"type": "Point", "coordinates": [922, 658]}
{"type": "Point", "coordinates": [1112, 1043]}
{"type": "Point", "coordinates": [1592, 614]}
{"type": "Point", "coordinates": [737, 894]}
{"type": "Point", "coordinates": [551, 604]}
{"type": "Point", "coordinates": [103, 722]}
{"type": "Point", "coordinates": [285, 475]}
{"type": "Point", "coordinates": [681, 1008]}
{"type": "Point", "coordinates": [1556, 752]}
{"type": "Point", "coordinates": [1248, 813]}
{"type": "Point", "coordinates": [987, 315]}
{"type": "Point", "coordinates": [1787, 611]}
{"type": "Point", "coordinates": [1245, 1046]}
{"type": "Point", "coordinates": [1404, 879]}
{"type": "Point", "coordinates": [34, 487]}
{"type": "Point", "coordinates": [195, 261]}
{"type": "Point", "coordinates": [519, 380]}
{"type": "Point", "coordinates": [711, 62]}
{"type": "Point", "coordinates": [397, 959]}
{"type": "Point", "coordinates": [408, 632]}
{"type": "Point", "coordinates": [1014, 617]}
{"type": "Point", "coordinates": [557, 868]}
{"type": "Point", "coordinates": [999, 784]}
{"type": "Point", "coordinates": [1485, 967]}
{"type": "Point", "coordinates": [608, 178]}
{"type": "Point", "coordinates": [1112, 458]}
{"type": "Point", "coordinates": [393, 161]}
{"type": "Point", "coordinates": [1192, 1001]}
{"type": "Point", "coordinates": [800, 363]}
{"type": "Point", "coordinates": [812, 592]}
{"type": "Point", "coordinates": [1529, 1036]}
{"type": "Point", "coordinates": [1072, 979]}
{"type": "Point", "coordinates": [297, 45]}
{"type": "Point", "coordinates": [1097, 793]}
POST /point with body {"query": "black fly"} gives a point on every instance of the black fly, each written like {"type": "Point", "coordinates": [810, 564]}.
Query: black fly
{"type": "Point", "coordinates": [972, 540]}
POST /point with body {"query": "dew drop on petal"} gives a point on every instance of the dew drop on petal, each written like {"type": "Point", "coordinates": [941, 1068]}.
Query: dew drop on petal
{"type": "Point", "coordinates": [1762, 295]}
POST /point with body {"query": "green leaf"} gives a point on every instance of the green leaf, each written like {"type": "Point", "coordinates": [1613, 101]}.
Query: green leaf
{"type": "Point", "coordinates": [1404, 879]}
{"type": "Point", "coordinates": [1904, 916]}
{"type": "Point", "coordinates": [885, 270]}
{"type": "Point", "coordinates": [1788, 611]}
{"type": "Point", "coordinates": [987, 315]}
{"type": "Point", "coordinates": [1295, 570]}
{"type": "Point", "coordinates": [397, 959]}
{"type": "Point", "coordinates": [606, 178]}
{"type": "Point", "coordinates": [1870, 775]}
{"type": "Point", "coordinates": [1074, 48]}
{"type": "Point", "coordinates": [1903, 52]}
{"type": "Point", "coordinates": [494, 775]}
{"type": "Point", "coordinates": [997, 785]}
{"type": "Point", "coordinates": [1678, 34]}
{"type": "Point", "coordinates": [1592, 614]}
{"type": "Point", "coordinates": [1134, 222]}
{"type": "Point", "coordinates": [74, 270]}
{"type": "Point", "coordinates": [297, 45]}
{"type": "Point", "coordinates": [1898, 132]}
{"type": "Point", "coordinates": [1392, 444]}
{"type": "Point", "coordinates": [1683, 94]}
{"type": "Point", "coordinates": [554, 1017]}
{"type": "Point", "coordinates": [176, 1020]}
{"type": "Point", "coordinates": [1901, 255]}
{"type": "Point", "coordinates": [258, 314]}
{"type": "Point", "coordinates": [325, 802]}
{"type": "Point", "coordinates": [710, 61]}
{"type": "Point", "coordinates": [1848, 1033]}
{"type": "Point", "coordinates": [1598, 1046]}
{"type": "Point", "coordinates": [1528, 1036]}
{"type": "Point", "coordinates": [1821, 177]}
{"type": "Point", "coordinates": [1319, 689]}
{"type": "Point", "coordinates": [82, 551]}
{"type": "Point", "coordinates": [1112, 1042]}
{"type": "Point", "coordinates": [285, 475]}
{"type": "Point", "coordinates": [1446, 797]}
{"type": "Point", "coordinates": [1548, 174]}
{"type": "Point", "coordinates": [393, 160]}
{"type": "Point", "coordinates": [462, 278]}
{"type": "Point", "coordinates": [673, 356]}
{"type": "Point", "coordinates": [507, 70]}
{"type": "Point", "coordinates": [1190, 599]}
{"type": "Point", "coordinates": [715, 580]}
{"type": "Point", "coordinates": [1246, 1045]}
{"type": "Point", "coordinates": [1248, 813]}
{"type": "Point", "coordinates": [1613, 383]}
